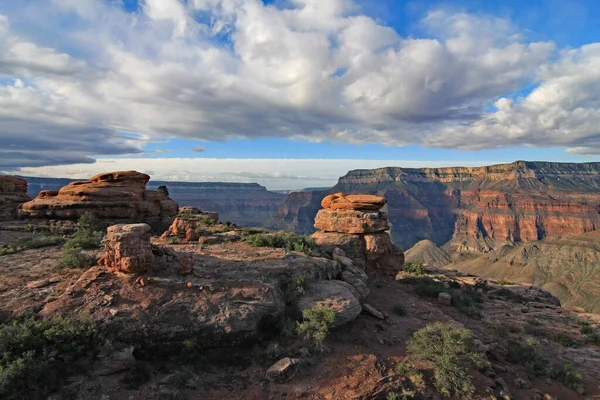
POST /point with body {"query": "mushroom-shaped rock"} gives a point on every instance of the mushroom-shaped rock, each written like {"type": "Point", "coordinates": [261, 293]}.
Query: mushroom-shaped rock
{"type": "Point", "coordinates": [338, 296]}
{"type": "Point", "coordinates": [361, 202]}
{"type": "Point", "coordinates": [127, 248]}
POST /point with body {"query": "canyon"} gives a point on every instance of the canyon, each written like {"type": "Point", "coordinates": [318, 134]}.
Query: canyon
{"type": "Point", "coordinates": [469, 209]}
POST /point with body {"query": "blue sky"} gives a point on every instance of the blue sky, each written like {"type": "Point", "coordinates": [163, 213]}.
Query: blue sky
{"type": "Point", "coordinates": [140, 84]}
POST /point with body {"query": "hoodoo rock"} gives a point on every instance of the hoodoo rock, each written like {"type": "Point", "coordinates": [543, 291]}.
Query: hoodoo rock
{"type": "Point", "coordinates": [13, 192]}
{"type": "Point", "coordinates": [112, 195]}
{"type": "Point", "coordinates": [127, 249]}
{"type": "Point", "coordinates": [360, 202]}
{"type": "Point", "coordinates": [354, 224]}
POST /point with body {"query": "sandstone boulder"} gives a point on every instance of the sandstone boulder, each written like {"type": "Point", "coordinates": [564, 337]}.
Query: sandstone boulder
{"type": "Point", "coordinates": [189, 220]}
{"type": "Point", "coordinates": [13, 192]}
{"type": "Point", "coordinates": [336, 295]}
{"type": "Point", "coordinates": [363, 202]}
{"type": "Point", "coordinates": [113, 195]}
{"type": "Point", "coordinates": [351, 221]}
{"type": "Point", "coordinates": [127, 249]}
{"type": "Point", "coordinates": [283, 370]}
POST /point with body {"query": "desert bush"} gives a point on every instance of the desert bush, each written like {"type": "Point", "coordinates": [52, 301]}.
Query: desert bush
{"type": "Point", "coordinates": [30, 243]}
{"type": "Point", "coordinates": [509, 295]}
{"type": "Point", "coordinates": [73, 258]}
{"type": "Point", "coordinates": [164, 189]}
{"type": "Point", "coordinates": [534, 330]}
{"type": "Point", "coordinates": [503, 282]}
{"type": "Point", "coordinates": [89, 234]}
{"type": "Point", "coordinates": [568, 377]}
{"type": "Point", "coordinates": [414, 268]}
{"type": "Point", "coordinates": [315, 325]}
{"type": "Point", "coordinates": [565, 340]}
{"type": "Point", "coordinates": [399, 309]}
{"type": "Point", "coordinates": [526, 353]}
{"type": "Point", "coordinates": [450, 352]}
{"type": "Point", "coordinates": [593, 338]}
{"type": "Point", "coordinates": [173, 240]}
{"type": "Point", "coordinates": [426, 287]}
{"type": "Point", "coordinates": [469, 304]}
{"type": "Point", "coordinates": [37, 355]}
{"type": "Point", "coordinates": [586, 328]}
{"type": "Point", "coordinates": [285, 240]}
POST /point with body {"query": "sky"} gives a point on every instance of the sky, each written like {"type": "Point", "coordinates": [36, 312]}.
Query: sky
{"type": "Point", "coordinates": [294, 93]}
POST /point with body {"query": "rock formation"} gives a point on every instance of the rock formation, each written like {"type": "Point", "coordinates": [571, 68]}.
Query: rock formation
{"type": "Point", "coordinates": [127, 249]}
{"type": "Point", "coordinates": [13, 192]}
{"type": "Point", "coordinates": [470, 209]}
{"type": "Point", "coordinates": [189, 220]}
{"type": "Point", "coordinates": [113, 195]}
{"type": "Point", "coordinates": [357, 227]}
{"type": "Point", "coordinates": [336, 295]}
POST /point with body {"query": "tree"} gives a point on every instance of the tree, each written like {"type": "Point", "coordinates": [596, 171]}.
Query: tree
{"type": "Point", "coordinates": [164, 189]}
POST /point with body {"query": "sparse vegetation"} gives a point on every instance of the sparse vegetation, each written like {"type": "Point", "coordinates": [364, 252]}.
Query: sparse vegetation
{"type": "Point", "coordinates": [414, 268]}
{"type": "Point", "coordinates": [450, 352]}
{"type": "Point", "coordinates": [534, 328]}
{"type": "Point", "coordinates": [568, 377]}
{"type": "Point", "coordinates": [316, 324]}
{"type": "Point", "coordinates": [285, 240]}
{"type": "Point", "coordinates": [36, 355]}
{"type": "Point", "coordinates": [509, 295]}
{"type": "Point", "coordinates": [503, 282]}
{"type": "Point", "coordinates": [469, 302]}
{"type": "Point", "coordinates": [399, 309]}
{"type": "Point", "coordinates": [72, 258]}
{"type": "Point", "coordinates": [30, 243]}
{"type": "Point", "coordinates": [586, 328]}
{"type": "Point", "coordinates": [565, 340]}
{"type": "Point", "coordinates": [428, 287]}
{"type": "Point", "coordinates": [173, 240]}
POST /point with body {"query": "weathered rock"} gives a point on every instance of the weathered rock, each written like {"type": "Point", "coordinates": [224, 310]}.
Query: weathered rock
{"type": "Point", "coordinates": [13, 192]}
{"type": "Point", "coordinates": [185, 264]}
{"type": "Point", "coordinates": [283, 370]}
{"type": "Point", "coordinates": [112, 195]}
{"type": "Point", "coordinates": [127, 249]}
{"type": "Point", "coordinates": [362, 202]}
{"type": "Point", "coordinates": [371, 310]}
{"type": "Point", "coordinates": [351, 221]}
{"type": "Point", "coordinates": [382, 253]}
{"type": "Point", "coordinates": [445, 298]}
{"type": "Point", "coordinates": [336, 295]}
{"type": "Point", "coordinates": [352, 245]}
{"type": "Point", "coordinates": [116, 362]}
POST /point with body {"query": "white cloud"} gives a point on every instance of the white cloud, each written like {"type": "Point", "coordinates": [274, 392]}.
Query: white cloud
{"type": "Point", "coordinates": [220, 69]}
{"type": "Point", "coordinates": [272, 173]}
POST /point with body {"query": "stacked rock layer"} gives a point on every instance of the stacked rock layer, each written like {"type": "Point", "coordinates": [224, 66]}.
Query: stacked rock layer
{"type": "Point", "coordinates": [355, 224]}
{"type": "Point", "coordinates": [13, 191]}
{"type": "Point", "coordinates": [113, 195]}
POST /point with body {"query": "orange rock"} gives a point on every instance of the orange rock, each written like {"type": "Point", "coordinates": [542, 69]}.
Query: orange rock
{"type": "Point", "coordinates": [351, 221]}
{"type": "Point", "coordinates": [362, 202]}
{"type": "Point", "coordinates": [114, 195]}
{"type": "Point", "coordinates": [127, 249]}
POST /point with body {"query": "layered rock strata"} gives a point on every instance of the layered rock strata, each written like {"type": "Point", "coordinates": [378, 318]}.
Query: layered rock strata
{"type": "Point", "coordinates": [127, 249]}
{"type": "Point", "coordinates": [112, 195]}
{"type": "Point", "coordinates": [13, 192]}
{"type": "Point", "coordinates": [362, 233]}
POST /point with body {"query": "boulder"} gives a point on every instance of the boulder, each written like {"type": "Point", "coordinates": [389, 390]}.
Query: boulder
{"type": "Point", "coordinates": [382, 254]}
{"type": "Point", "coordinates": [189, 219]}
{"type": "Point", "coordinates": [363, 202]}
{"type": "Point", "coordinates": [351, 221]}
{"type": "Point", "coordinates": [369, 309]}
{"type": "Point", "coordinates": [185, 264]}
{"type": "Point", "coordinates": [112, 195]}
{"type": "Point", "coordinates": [336, 295]}
{"type": "Point", "coordinates": [127, 249]}
{"type": "Point", "coordinates": [283, 370]}
{"type": "Point", "coordinates": [445, 298]}
{"type": "Point", "coordinates": [13, 192]}
{"type": "Point", "coordinates": [352, 245]}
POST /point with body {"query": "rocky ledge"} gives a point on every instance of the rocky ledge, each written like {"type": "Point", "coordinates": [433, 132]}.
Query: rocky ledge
{"type": "Point", "coordinates": [112, 195]}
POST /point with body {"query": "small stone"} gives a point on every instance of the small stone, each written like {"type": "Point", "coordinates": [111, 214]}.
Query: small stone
{"type": "Point", "coordinates": [113, 312]}
{"type": "Point", "coordinates": [190, 285]}
{"type": "Point", "coordinates": [525, 309]}
{"type": "Point", "coordinates": [522, 383]}
{"type": "Point", "coordinates": [445, 298]}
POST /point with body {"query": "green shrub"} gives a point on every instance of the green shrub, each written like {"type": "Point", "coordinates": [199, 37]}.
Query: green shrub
{"type": "Point", "coordinates": [450, 352]}
{"type": "Point", "coordinates": [526, 353]}
{"type": "Point", "coordinates": [89, 233]}
{"type": "Point", "coordinates": [503, 282]}
{"type": "Point", "coordinates": [399, 309]}
{"type": "Point", "coordinates": [285, 240]}
{"type": "Point", "coordinates": [586, 328]}
{"type": "Point", "coordinates": [427, 287]}
{"type": "Point", "coordinates": [510, 295]}
{"type": "Point", "coordinates": [565, 340]}
{"type": "Point", "coordinates": [568, 377]}
{"type": "Point", "coordinates": [173, 240]}
{"type": "Point", "coordinates": [37, 355]}
{"type": "Point", "coordinates": [593, 338]}
{"type": "Point", "coordinates": [468, 304]}
{"type": "Point", "coordinates": [73, 258]}
{"type": "Point", "coordinates": [30, 243]}
{"type": "Point", "coordinates": [534, 330]}
{"type": "Point", "coordinates": [90, 223]}
{"type": "Point", "coordinates": [414, 268]}
{"type": "Point", "coordinates": [316, 324]}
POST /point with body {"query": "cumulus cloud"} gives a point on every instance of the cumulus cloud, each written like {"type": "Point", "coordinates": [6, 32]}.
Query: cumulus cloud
{"type": "Point", "coordinates": [198, 149]}
{"type": "Point", "coordinates": [213, 70]}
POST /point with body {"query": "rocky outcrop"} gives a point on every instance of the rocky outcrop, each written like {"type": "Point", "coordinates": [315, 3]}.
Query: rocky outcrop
{"type": "Point", "coordinates": [187, 226]}
{"type": "Point", "coordinates": [360, 233]}
{"type": "Point", "coordinates": [13, 192]}
{"type": "Point", "coordinates": [336, 295]}
{"type": "Point", "coordinates": [127, 249]}
{"type": "Point", "coordinates": [113, 195]}
{"type": "Point", "coordinates": [474, 209]}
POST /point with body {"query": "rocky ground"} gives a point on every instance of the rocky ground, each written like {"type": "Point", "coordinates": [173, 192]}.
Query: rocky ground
{"type": "Point", "coordinates": [357, 361]}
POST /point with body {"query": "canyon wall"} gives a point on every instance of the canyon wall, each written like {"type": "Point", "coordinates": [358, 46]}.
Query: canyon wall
{"type": "Point", "coordinates": [473, 209]}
